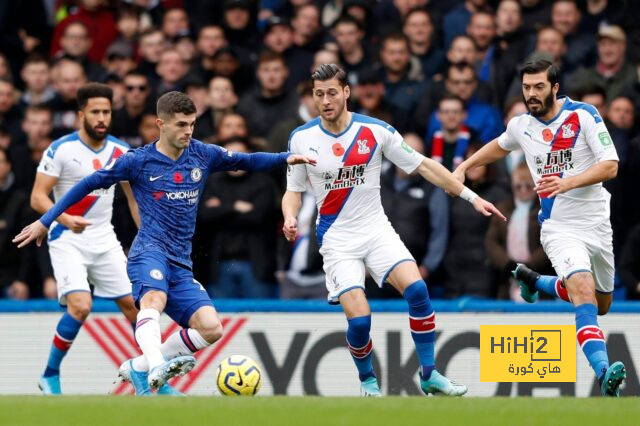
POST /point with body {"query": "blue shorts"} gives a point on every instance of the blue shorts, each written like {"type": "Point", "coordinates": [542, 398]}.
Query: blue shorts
{"type": "Point", "coordinates": [153, 271]}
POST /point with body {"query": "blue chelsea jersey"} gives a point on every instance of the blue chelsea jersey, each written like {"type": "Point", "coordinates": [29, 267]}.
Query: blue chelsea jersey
{"type": "Point", "coordinates": [167, 191]}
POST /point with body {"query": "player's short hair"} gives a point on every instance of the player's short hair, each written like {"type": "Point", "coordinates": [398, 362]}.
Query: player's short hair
{"type": "Point", "coordinates": [172, 103]}
{"type": "Point", "coordinates": [93, 90]}
{"type": "Point", "coordinates": [540, 65]}
{"type": "Point", "coordinates": [328, 71]}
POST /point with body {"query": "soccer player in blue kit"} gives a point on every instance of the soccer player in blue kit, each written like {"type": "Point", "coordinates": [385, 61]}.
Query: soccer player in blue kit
{"type": "Point", "coordinates": [167, 178]}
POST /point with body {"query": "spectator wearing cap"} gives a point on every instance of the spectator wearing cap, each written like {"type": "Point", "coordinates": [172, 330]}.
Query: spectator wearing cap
{"type": "Point", "coordinates": [418, 28]}
{"type": "Point", "coordinates": [238, 213]}
{"type": "Point", "coordinates": [612, 71]}
{"type": "Point", "coordinates": [581, 47]}
{"type": "Point", "coordinates": [74, 44]}
{"type": "Point", "coordinates": [278, 38]}
{"type": "Point", "coordinates": [455, 22]}
{"type": "Point", "coordinates": [211, 38]}
{"type": "Point", "coordinates": [369, 99]}
{"type": "Point", "coordinates": [98, 19]}
{"type": "Point", "coordinates": [222, 100]}
{"type": "Point", "coordinates": [152, 44]}
{"type": "Point", "coordinates": [354, 55]}
{"type": "Point", "coordinates": [119, 59]}
{"type": "Point", "coordinates": [240, 29]}
{"type": "Point", "coordinates": [174, 22]}
{"type": "Point", "coordinates": [268, 102]}
{"type": "Point", "coordinates": [37, 81]}
{"type": "Point", "coordinates": [171, 69]}
{"type": "Point", "coordinates": [126, 120]}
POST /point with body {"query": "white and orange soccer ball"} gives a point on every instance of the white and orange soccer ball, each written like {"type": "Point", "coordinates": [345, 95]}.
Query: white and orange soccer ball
{"type": "Point", "coordinates": [239, 375]}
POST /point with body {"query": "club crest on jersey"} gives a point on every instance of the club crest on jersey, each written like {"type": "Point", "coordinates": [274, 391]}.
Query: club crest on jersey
{"type": "Point", "coordinates": [567, 131]}
{"type": "Point", "coordinates": [196, 174]}
{"type": "Point", "coordinates": [156, 274]}
{"type": "Point", "coordinates": [362, 147]}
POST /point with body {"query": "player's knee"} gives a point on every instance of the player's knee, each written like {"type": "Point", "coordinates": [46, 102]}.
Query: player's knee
{"type": "Point", "coordinates": [80, 310]}
{"type": "Point", "coordinates": [416, 293]}
{"type": "Point", "coordinates": [360, 325]}
{"type": "Point", "coordinates": [583, 289]}
{"type": "Point", "coordinates": [211, 330]}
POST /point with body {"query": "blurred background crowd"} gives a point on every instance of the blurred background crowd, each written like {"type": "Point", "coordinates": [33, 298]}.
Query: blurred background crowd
{"type": "Point", "coordinates": [443, 73]}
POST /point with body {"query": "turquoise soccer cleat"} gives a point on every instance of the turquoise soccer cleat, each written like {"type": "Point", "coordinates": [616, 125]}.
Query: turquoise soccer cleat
{"type": "Point", "coordinates": [527, 281]}
{"type": "Point", "coordinates": [370, 387]}
{"type": "Point", "coordinates": [50, 385]}
{"type": "Point", "coordinates": [168, 390]}
{"type": "Point", "coordinates": [177, 366]}
{"type": "Point", "coordinates": [612, 379]}
{"type": "Point", "coordinates": [437, 383]}
{"type": "Point", "coordinates": [137, 378]}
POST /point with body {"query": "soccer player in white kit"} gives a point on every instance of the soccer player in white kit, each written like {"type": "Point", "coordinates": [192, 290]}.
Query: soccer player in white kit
{"type": "Point", "coordinates": [82, 244]}
{"type": "Point", "coordinates": [353, 232]}
{"type": "Point", "coordinates": [569, 153]}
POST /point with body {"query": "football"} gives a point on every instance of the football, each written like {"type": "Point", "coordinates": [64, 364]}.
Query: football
{"type": "Point", "coordinates": [239, 375]}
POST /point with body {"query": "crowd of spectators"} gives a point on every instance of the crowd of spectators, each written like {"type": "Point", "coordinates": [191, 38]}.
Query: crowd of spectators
{"type": "Point", "coordinates": [443, 73]}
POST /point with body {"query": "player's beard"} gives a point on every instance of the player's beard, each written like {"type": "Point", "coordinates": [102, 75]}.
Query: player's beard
{"type": "Point", "coordinates": [93, 134]}
{"type": "Point", "coordinates": [547, 104]}
{"type": "Point", "coordinates": [337, 113]}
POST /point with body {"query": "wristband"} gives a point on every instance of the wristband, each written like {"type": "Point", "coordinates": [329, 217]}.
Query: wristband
{"type": "Point", "coordinates": [468, 195]}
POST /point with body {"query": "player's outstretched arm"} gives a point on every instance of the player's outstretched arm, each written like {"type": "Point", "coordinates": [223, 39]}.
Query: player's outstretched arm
{"type": "Point", "coordinates": [265, 160]}
{"type": "Point", "coordinates": [551, 186]}
{"type": "Point", "coordinates": [489, 153]}
{"type": "Point", "coordinates": [291, 203]}
{"type": "Point", "coordinates": [41, 202]}
{"type": "Point", "coordinates": [438, 175]}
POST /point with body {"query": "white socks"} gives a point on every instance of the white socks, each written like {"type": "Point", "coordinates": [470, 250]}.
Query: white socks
{"type": "Point", "coordinates": [184, 342]}
{"type": "Point", "coordinates": [148, 336]}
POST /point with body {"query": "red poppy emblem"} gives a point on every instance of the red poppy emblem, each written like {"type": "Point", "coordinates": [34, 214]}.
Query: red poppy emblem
{"type": "Point", "coordinates": [338, 150]}
{"type": "Point", "coordinates": [177, 177]}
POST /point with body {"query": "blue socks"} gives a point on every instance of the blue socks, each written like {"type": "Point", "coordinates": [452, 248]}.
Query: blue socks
{"type": "Point", "coordinates": [360, 345]}
{"type": "Point", "coordinates": [552, 285]}
{"type": "Point", "coordinates": [591, 338]}
{"type": "Point", "coordinates": [66, 332]}
{"type": "Point", "coordinates": [422, 321]}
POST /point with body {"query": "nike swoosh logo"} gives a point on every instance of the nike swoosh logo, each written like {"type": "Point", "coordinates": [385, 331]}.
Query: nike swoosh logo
{"type": "Point", "coordinates": [151, 178]}
{"type": "Point", "coordinates": [240, 382]}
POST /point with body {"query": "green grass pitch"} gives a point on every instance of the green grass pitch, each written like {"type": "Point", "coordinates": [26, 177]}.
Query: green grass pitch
{"type": "Point", "coordinates": [307, 411]}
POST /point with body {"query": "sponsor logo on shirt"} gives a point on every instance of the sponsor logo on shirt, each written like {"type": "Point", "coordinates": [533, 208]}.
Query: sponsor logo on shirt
{"type": "Point", "coordinates": [346, 177]}
{"type": "Point", "coordinates": [554, 162]}
{"type": "Point", "coordinates": [191, 196]}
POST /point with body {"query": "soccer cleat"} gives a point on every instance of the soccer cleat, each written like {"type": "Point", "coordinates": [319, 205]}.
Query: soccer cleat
{"type": "Point", "coordinates": [137, 378]}
{"type": "Point", "coordinates": [437, 383]}
{"type": "Point", "coordinates": [527, 279]}
{"type": "Point", "coordinates": [612, 379]}
{"type": "Point", "coordinates": [177, 366]}
{"type": "Point", "coordinates": [168, 390]}
{"type": "Point", "coordinates": [50, 385]}
{"type": "Point", "coordinates": [370, 387]}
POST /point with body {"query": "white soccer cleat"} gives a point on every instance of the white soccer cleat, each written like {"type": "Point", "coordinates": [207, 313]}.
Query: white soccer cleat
{"type": "Point", "coordinates": [177, 366]}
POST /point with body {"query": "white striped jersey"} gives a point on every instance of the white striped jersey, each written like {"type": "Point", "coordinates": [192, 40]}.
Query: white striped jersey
{"type": "Point", "coordinates": [567, 145]}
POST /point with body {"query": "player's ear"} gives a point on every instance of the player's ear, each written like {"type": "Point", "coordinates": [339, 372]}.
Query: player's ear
{"type": "Point", "coordinates": [347, 91]}
{"type": "Point", "coordinates": [555, 89]}
{"type": "Point", "coordinates": [159, 122]}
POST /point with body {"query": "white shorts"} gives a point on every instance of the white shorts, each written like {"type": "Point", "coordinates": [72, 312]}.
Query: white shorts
{"type": "Point", "coordinates": [345, 267]}
{"type": "Point", "coordinates": [584, 250]}
{"type": "Point", "coordinates": [75, 269]}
